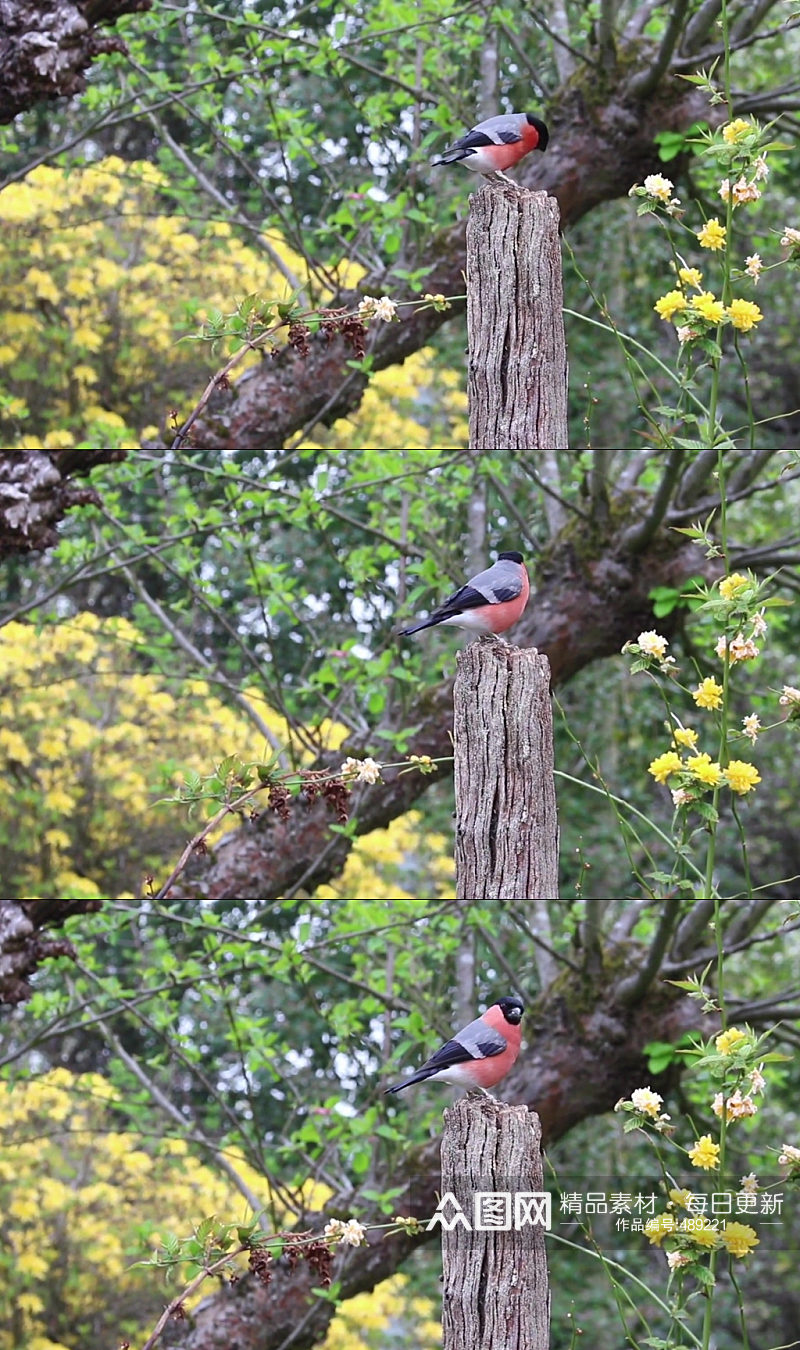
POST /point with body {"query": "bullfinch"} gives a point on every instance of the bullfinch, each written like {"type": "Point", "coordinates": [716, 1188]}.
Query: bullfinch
{"type": "Point", "coordinates": [479, 1055]}
{"type": "Point", "coordinates": [489, 603]}
{"type": "Point", "coordinates": [497, 143]}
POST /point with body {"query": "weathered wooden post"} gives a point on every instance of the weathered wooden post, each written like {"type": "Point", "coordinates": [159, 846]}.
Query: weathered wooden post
{"type": "Point", "coordinates": [506, 822]}
{"type": "Point", "coordinates": [517, 385]}
{"type": "Point", "coordinates": [495, 1290]}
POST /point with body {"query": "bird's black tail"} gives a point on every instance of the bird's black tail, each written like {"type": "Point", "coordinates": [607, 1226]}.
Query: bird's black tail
{"type": "Point", "coordinates": [415, 1078]}
{"type": "Point", "coordinates": [450, 157]}
{"type": "Point", "coordinates": [415, 627]}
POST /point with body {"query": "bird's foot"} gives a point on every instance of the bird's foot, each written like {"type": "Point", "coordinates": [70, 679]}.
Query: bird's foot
{"type": "Point", "coordinates": [497, 176]}
{"type": "Point", "coordinates": [481, 1092]}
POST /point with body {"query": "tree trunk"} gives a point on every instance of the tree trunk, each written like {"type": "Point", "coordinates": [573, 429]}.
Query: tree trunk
{"type": "Point", "coordinates": [45, 49]}
{"type": "Point", "coordinates": [506, 822]}
{"type": "Point", "coordinates": [35, 494]}
{"type": "Point", "coordinates": [23, 946]}
{"type": "Point", "coordinates": [517, 350]}
{"type": "Point", "coordinates": [495, 1290]}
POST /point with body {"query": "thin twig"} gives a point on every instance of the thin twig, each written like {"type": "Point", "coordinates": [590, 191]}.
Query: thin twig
{"type": "Point", "coordinates": [180, 1298]}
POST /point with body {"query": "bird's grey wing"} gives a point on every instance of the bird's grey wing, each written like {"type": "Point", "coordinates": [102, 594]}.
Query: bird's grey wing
{"type": "Point", "coordinates": [502, 581]}
{"type": "Point", "coordinates": [503, 130]}
{"type": "Point", "coordinates": [480, 1040]}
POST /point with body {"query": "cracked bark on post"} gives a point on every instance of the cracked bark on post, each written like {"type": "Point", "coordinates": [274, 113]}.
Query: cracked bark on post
{"type": "Point", "coordinates": [517, 350]}
{"type": "Point", "coordinates": [495, 1289]}
{"type": "Point", "coordinates": [506, 823]}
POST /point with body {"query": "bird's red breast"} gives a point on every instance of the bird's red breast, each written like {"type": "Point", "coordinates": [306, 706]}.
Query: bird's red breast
{"type": "Point", "coordinates": [488, 1072]}
{"type": "Point", "coordinates": [498, 618]}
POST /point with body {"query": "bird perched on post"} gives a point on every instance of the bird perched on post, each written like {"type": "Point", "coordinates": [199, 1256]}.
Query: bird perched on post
{"type": "Point", "coordinates": [496, 144]}
{"type": "Point", "coordinates": [489, 603]}
{"type": "Point", "coordinates": [479, 1055]}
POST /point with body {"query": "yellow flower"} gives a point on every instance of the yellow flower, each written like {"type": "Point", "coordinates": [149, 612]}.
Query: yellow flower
{"type": "Point", "coordinates": [708, 693]}
{"type": "Point", "coordinates": [664, 765]}
{"type": "Point", "coordinates": [732, 585]}
{"type": "Point", "coordinates": [691, 276]}
{"type": "Point", "coordinates": [736, 129]}
{"type": "Point", "coordinates": [669, 304]}
{"type": "Point", "coordinates": [727, 1040]}
{"type": "Point", "coordinates": [705, 1153]}
{"type": "Point", "coordinates": [646, 1101]}
{"type": "Point", "coordinates": [744, 315]}
{"type": "Point", "coordinates": [652, 643]}
{"type": "Point", "coordinates": [660, 1227]}
{"type": "Point", "coordinates": [712, 234]}
{"type": "Point", "coordinates": [704, 769]}
{"type": "Point", "coordinates": [658, 186]}
{"type": "Point", "coordinates": [29, 1263]}
{"type": "Point", "coordinates": [741, 777]}
{"type": "Point", "coordinates": [682, 1197]}
{"type": "Point", "coordinates": [739, 1238]}
{"type": "Point", "coordinates": [708, 307]}
{"type": "Point", "coordinates": [685, 736]}
{"type": "Point", "coordinates": [41, 284]}
{"type": "Point", "coordinates": [700, 1231]}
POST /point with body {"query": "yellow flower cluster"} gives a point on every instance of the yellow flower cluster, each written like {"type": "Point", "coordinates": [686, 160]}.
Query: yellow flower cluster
{"type": "Point", "coordinates": [744, 314]}
{"type": "Point", "coordinates": [647, 1101]}
{"type": "Point", "coordinates": [119, 277]}
{"type": "Point", "coordinates": [712, 235]}
{"type": "Point", "coordinates": [729, 1040]}
{"type": "Point", "coordinates": [82, 1201]}
{"type": "Point", "coordinates": [91, 739]}
{"type": "Point", "coordinates": [670, 304]}
{"type": "Point", "coordinates": [705, 1153]}
{"type": "Point", "coordinates": [397, 863]}
{"type": "Point", "coordinates": [391, 411]}
{"type": "Point", "coordinates": [738, 1238]}
{"type": "Point", "coordinates": [663, 766]}
{"type": "Point", "coordinates": [659, 1227]}
{"type": "Point", "coordinates": [740, 776]}
{"type": "Point", "coordinates": [708, 694]}
{"type": "Point", "coordinates": [122, 283]}
{"type": "Point", "coordinates": [735, 130]}
{"type": "Point", "coordinates": [704, 769]}
{"type": "Point", "coordinates": [699, 770]}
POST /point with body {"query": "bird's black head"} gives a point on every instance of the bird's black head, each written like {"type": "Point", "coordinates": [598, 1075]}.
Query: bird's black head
{"type": "Point", "coordinates": [512, 1009]}
{"type": "Point", "coordinates": [544, 134]}
{"type": "Point", "coordinates": [513, 556]}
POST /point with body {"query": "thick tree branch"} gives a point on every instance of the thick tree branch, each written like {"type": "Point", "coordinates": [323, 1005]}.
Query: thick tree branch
{"type": "Point", "coordinates": [23, 944]}
{"type": "Point", "coordinates": [698, 509]}
{"type": "Point", "coordinates": [696, 477]}
{"type": "Point", "coordinates": [699, 26]}
{"type": "Point", "coordinates": [639, 535]}
{"type": "Point", "coordinates": [645, 81]}
{"type": "Point", "coordinates": [642, 14]}
{"type": "Point", "coordinates": [46, 47]}
{"type": "Point", "coordinates": [35, 494]}
{"type": "Point", "coordinates": [632, 989]}
{"type": "Point", "coordinates": [605, 33]}
{"type": "Point", "coordinates": [751, 17]}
